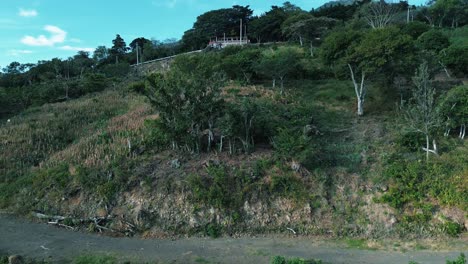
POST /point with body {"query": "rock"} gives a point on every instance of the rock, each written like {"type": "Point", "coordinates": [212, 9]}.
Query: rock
{"type": "Point", "coordinates": [295, 166]}
{"type": "Point", "coordinates": [175, 163]}
{"type": "Point", "coordinates": [15, 259]}
{"type": "Point", "coordinates": [391, 222]}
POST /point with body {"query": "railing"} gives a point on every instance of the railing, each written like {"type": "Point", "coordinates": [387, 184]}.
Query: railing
{"type": "Point", "coordinates": [165, 58]}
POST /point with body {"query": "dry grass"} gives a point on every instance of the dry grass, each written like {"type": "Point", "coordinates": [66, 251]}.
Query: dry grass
{"type": "Point", "coordinates": [72, 132]}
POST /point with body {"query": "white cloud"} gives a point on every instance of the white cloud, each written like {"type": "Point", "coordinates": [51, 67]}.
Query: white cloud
{"type": "Point", "coordinates": [57, 35]}
{"type": "Point", "coordinates": [75, 40]}
{"type": "Point", "coordinates": [67, 47]}
{"type": "Point", "coordinates": [27, 13]}
{"type": "Point", "coordinates": [166, 3]}
{"type": "Point", "coordinates": [16, 53]}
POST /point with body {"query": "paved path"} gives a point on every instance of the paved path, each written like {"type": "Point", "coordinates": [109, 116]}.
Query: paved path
{"type": "Point", "coordinates": [41, 241]}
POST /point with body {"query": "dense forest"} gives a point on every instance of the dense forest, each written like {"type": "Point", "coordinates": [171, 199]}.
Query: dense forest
{"type": "Point", "coordinates": [345, 120]}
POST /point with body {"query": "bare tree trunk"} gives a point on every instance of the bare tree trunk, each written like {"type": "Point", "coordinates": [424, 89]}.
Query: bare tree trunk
{"type": "Point", "coordinates": [359, 90]}
{"type": "Point", "coordinates": [462, 131]}
{"type": "Point", "coordinates": [427, 147]}
{"type": "Point", "coordinates": [311, 49]}
{"type": "Point", "coordinates": [445, 69]}
{"type": "Point", "coordinates": [282, 85]}
{"type": "Point", "coordinates": [300, 40]}
{"type": "Point", "coordinates": [274, 82]}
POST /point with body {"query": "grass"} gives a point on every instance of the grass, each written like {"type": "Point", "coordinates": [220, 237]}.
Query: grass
{"type": "Point", "coordinates": [45, 148]}
{"type": "Point", "coordinates": [95, 259]}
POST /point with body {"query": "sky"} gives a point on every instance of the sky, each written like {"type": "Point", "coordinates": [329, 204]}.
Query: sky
{"type": "Point", "coordinates": [33, 30]}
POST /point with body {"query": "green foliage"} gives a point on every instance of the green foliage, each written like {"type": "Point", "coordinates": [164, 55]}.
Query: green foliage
{"type": "Point", "coordinates": [287, 185]}
{"type": "Point", "coordinates": [220, 188]}
{"type": "Point", "coordinates": [454, 107]}
{"type": "Point", "coordinates": [188, 101]}
{"type": "Point", "coordinates": [292, 143]}
{"type": "Point", "coordinates": [213, 24]}
{"type": "Point", "coordinates": [238, 63]}
{"type": "Point", "coordinates": [453, 229]}
{"type": "Point", "coordinates": [95, 82]}
{"type": "Point", "coordinates": [213, 230]}
{"type": "Point", "coordinates": [284, 260]}
{"type": "Point", "coordinates": [460, 260]}
{"type": "Point", "coordinates": [414, 182]}
{"type": "Point", "coordinates": [277, 64]}
{"type": "Point", "coordinates": [415, 29]}
{"type": "Point", "coordinates": [411, 141]}
{"type": "Point", "coordinates": [137, 87]}
{"type": "Point", "coordinates": [455, 57]}
{"type": "Point", "coordinates": [95, 259]}
{"type": "Point", "coordinates": [432, 40]}
{"type": "Point", "coordinates": [118, 70]}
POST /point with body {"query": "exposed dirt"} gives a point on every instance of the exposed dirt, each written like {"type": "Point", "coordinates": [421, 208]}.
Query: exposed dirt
{"type": "Point", "coordinates": [58, 245]}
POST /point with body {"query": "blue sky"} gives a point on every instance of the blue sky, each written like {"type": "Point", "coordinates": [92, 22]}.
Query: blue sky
{"type": "Point", "coordinates": [32, 30]}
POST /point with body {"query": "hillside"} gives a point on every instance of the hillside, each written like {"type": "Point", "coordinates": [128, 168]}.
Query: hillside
{"type": "Point", "coordinates": [323, 171]}
{"type": "Point", "coordinates": [340, 123]}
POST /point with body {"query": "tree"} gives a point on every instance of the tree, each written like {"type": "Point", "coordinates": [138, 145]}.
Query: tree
{"type": "Point", "coordinates": [454, 108]}
{"type": "Point", "coordinates": [215, 23]}
{"type": "Point", "coordinates": [277, 64]}
{"type": "Point", "coordinates": [119, 48]}
{"type": "Point", "coordinates": [138, 42]}
{"type": "Point", "coordinates": [188, 103]}
{"type": "Point", "coordinates": [379, 14]}
{"type": "Point", "coordinates": [294, 27]}
{"type": "Point", "coordinates": [422, 115]}
{"type": "Point", "coordinates": [449, 12]}
{"type": "Point", "coordinates": [455, 57]}
{"type": "Point", "coordinates": [338, 11]}
{"type": "Point", "coordinates": [81, 61]}
{"type": "Point", "coordinates": [268, 26]}
{"type": "Point", "coordinates": [307, 28]}
{"type": "Point", "coordinates": [415, 29]}
{"type": "Point", "coordinates": [239, 63]}
{"type": "Point", "coordinates": [432, 40]}
{"type": "Point", "coordinates": [366, 55]}
{"type": "Point", "coordinates": [100, 54]}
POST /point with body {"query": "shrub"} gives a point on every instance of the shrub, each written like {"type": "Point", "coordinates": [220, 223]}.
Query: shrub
{"type": "Point", "coordinates": [460, 260]}
{"type": "Point", "coordinates": [213, 230]}
{"type": "Point", "coordinates": [432, 40]}
{"type": "Point", "coordinates": [411, 141]}
{"type": "Point", "coordinates": [116, 70]}
{"type": "Point", "coordinates": [452, 229]}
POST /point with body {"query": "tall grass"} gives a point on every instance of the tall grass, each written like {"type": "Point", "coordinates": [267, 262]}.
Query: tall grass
{"type": "Point", "coordinates": [90, 132]}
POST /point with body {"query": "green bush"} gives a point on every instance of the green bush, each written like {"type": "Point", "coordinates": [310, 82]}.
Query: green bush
{"type": "Point", "coordinates": [137, 87]}
{"type": "Point", "coordinates": [288, 185]}
{"type": "Point", "coordinates": [412, 141]}
{"type": "Point", "coordinates": [432, 40]}
{"type": "Point", "coordinates": [116, 70]}
{"type": "Point", "coordinates": [284, 260]}
{"type": "Point", "coordinates": [213, 230]}
{"type": "Point", "coordinates": [460, 260]}
{"type": "Point", "coordinates": [95, 259]}
{"type": "Point", "coordinates": [453, 229]}
{"type": "Point", "coordinates": [221, 188]}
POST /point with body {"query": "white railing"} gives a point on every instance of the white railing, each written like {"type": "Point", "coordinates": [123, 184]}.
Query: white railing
{"type": "Point", "coordinates": [165, 58]}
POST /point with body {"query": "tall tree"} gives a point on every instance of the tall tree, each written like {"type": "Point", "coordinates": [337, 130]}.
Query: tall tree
{"type": "Point", "coordinates": [454, 108]}
{"type": "Point", "coordinates": [422, 115]}
{"type": "Point", "coordinates": [366, 55]}
{"type": "Point", "coordinates": [119, 48]}
{"type": "Point", "coordinates": [277, 64]}
{"type": "Point", "coordinates": [216, 23]}
{"type": "Point", "coordinates": [100, 54]}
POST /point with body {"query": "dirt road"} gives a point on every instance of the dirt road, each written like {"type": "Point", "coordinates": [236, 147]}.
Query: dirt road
{"type": "Point", "coordinates": [40, 241]}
